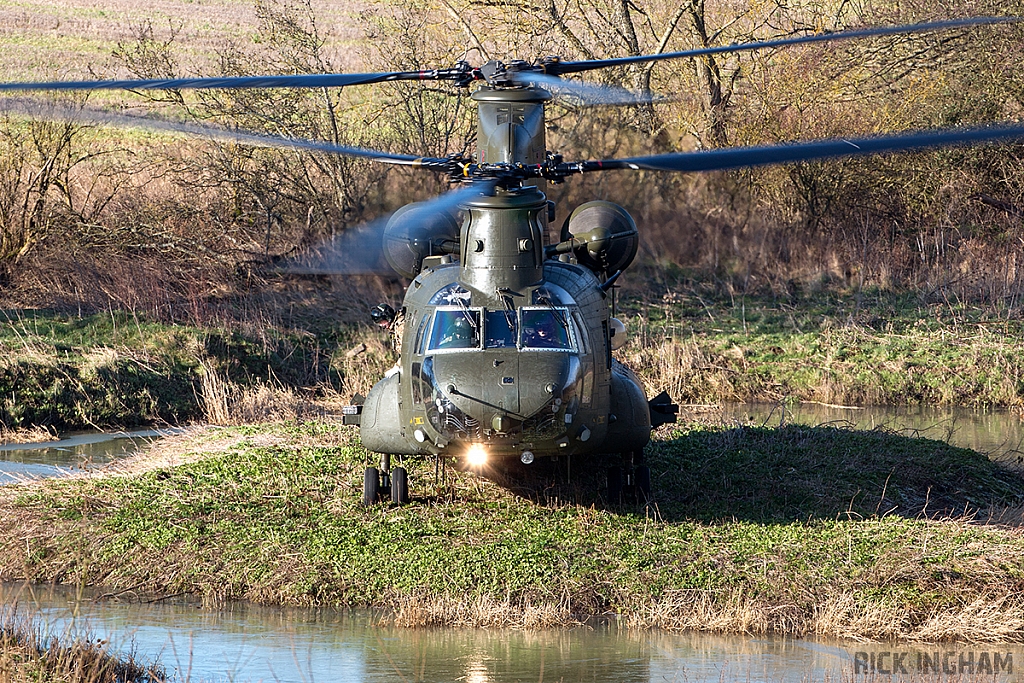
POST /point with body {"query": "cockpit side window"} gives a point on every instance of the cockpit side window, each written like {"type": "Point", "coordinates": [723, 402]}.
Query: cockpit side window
{"type": "Point", "coordinates": [455, 329]}
{"type": "Point", "coordinates": [421, 337]}
{"type": "Point", "coordinates": [500, 331]}
{"type": "Point", "coordinates": [545, 328]}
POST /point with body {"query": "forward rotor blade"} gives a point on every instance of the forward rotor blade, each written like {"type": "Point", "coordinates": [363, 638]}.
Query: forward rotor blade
{"type": "Point", "coordinates": [85, 115]}
{"type": "Point", "coordinates": [235, 82]}
{"type": "Point", "coordinates": [556, 68]}
{"type": "Point", "coordinates": [359, 250]}
{"type": "Point", "coordinates": [743, 157]}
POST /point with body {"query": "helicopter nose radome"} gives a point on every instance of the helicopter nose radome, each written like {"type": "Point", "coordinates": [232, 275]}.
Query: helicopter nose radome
{"type": "Point", "coordinates": [545, 378]}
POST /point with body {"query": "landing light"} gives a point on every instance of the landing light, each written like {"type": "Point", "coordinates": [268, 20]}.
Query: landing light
{"type": "Point", "coordinates": [476, 455]}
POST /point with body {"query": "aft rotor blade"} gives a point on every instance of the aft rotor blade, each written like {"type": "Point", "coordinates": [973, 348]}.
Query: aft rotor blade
{"type": "Point", "coordinates": [743, 157]}
{"type": "Point", "coordinates": [235, 82]}
{"type": "Point", "coordinates": [241, 136]}
{"type": "Point", "coordinates": [556, 68]}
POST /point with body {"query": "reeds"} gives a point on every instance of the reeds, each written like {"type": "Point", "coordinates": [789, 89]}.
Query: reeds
{"type": "Point", "coordinates": [28, 653]}
{"type": "Point", "coordinates": [423, 610]}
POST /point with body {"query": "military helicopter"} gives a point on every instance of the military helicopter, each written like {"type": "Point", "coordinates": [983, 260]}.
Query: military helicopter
{"type": "Point", "coordinates": [506, 339]}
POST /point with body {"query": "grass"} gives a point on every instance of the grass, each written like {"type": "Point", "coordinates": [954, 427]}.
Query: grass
{"type": "Point", "coordinates": [27, 653]}
{"type": "Point", "coordinates": [115, 369]}
{"type": "Point", "coordinates": [793, 530]}
{"type": "Point", "coordinates": [882, 349]}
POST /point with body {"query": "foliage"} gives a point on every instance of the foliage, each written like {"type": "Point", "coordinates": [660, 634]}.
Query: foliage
{"type": "Point", "coordinates": [28, 653]}
{"type": "Point", "coordinates": [117, 370]}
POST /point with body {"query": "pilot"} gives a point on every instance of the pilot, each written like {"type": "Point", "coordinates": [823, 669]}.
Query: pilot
{"type": "Point", "coordinates": [458, 334]}
{"type": "Point", "coordinates": [542, 334]}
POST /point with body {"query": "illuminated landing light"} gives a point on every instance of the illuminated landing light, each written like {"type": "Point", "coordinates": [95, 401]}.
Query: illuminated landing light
{"type": "Point", "coordinates": [420, 435]}
{"type": "Point", "coordinates": [476, 456]}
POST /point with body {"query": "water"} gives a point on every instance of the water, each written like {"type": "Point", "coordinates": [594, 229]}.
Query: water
{"type": "Point", "coordinates": [72, 453]}
{"type": "Point", "coordinates": [251, 643]}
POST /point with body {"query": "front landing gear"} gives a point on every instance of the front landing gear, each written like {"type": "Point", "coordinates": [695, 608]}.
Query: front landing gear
{"type": "Point", "coordinates": [385, 482]}
{"type": "Point", "coordinates": [371, 485]}
{"type": "Point", "coordinates": [630, 481]}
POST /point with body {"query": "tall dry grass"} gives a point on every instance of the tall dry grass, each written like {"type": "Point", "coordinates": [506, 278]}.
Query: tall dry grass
{"type": "Point", "coordinates": [424, 611]}
{"type": "Point", "coordinates": [28, 653]}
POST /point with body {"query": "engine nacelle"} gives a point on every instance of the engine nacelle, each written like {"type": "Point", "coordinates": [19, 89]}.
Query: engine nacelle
{"type": "Point", "coordinates": [602, 235]}
{"type": "Point", "coordinates": [412, 234]}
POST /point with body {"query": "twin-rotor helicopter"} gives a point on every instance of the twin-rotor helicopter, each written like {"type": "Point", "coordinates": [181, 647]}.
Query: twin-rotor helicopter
{"type": "Point", "coordinates": [506, 337]}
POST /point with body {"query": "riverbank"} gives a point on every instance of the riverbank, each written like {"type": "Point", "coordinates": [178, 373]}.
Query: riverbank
{"type": "Point", "coordinates": [117, 370]}
{"type": "Point", "coordinates": [27, 653]}
{"type": "Point", "coordinates": [791, 530]}
{"type": "Point", "coordinates": [854, 349]}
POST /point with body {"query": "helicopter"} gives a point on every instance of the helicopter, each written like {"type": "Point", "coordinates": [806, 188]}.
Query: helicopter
{"type": "Point", "coordinates": [506, 337]}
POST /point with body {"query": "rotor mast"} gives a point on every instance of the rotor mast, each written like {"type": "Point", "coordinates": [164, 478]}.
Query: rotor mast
{"type": "Point", "coordinates": [503, 236]}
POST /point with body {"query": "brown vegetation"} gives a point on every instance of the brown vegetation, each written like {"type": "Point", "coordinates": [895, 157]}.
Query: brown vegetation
{"type": "Point", "coordinates": [96, 218]}
{"type": "Point", "coordinates": [28, 654]}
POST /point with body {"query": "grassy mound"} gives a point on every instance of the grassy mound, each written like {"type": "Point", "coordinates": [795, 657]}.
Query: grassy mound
{"type": "Point", "coordinates": [798, 530]}
{"type": "Point", "coordinates": [117, 369]}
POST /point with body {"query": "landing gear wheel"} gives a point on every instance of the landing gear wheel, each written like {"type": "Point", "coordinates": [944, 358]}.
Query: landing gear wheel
{"type": "Point", "coordinates": [642, 477]}
{"type": "Point", "coordinates": [371, 485]}
{"type": "Point", "coordinates": [399, 486]}
{"type": "Point", "coordinates": [614, 485]}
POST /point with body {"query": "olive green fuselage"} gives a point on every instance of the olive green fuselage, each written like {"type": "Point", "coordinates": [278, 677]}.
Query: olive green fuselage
{"type": "Point", "coordinates": [498, 386]}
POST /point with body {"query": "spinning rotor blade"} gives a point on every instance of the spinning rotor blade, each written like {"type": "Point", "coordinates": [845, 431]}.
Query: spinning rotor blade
{"type": "Point", "coordinates": [53, 111]}
{"type": "Point", "coordinates": [743, 157]}
{"type": "Point", "coordinates": [588, 93]}
{"type": "Point", "coordinates": [235, 82]}
{"type": "Point", "coordinates": [556, 68]}
{"type": "Point", "coordinates": [359, 249]}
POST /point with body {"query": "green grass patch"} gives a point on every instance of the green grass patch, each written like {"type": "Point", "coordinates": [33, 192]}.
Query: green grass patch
{"type": "Point", "coordinates": [882, 349]}
{"type": "Point", "coordinates": [794, 529]}
{"type": "Point", "coordinates": [118, 369]}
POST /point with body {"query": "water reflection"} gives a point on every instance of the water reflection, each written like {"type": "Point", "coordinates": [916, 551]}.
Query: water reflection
{"type": "Point", "coordinates": [999, 433]}
{"type": "Point", "coordinates": [251, 643]}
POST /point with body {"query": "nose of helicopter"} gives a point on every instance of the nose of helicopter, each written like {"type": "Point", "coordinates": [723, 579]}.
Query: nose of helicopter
{"type": "Point", "coordinates": [499, 388]}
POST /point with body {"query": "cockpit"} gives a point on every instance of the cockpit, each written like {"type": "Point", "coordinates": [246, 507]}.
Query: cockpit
{"type": "Point", "coordinates": [527, 328]}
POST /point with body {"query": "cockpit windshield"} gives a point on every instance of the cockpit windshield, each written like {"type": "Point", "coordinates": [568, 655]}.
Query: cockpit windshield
{"type": "Point", "coordinates": [455, 329]}
{"type": "Point", "coordinates": [500, 332]}
{"type": "Point", "coordinates": [538, 328]}
{"type": "Point", "coordinates": [545, 328]}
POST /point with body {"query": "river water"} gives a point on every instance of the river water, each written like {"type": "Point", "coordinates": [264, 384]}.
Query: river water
{"type": "Point", "coordinates": [250, 643]}
{"type": "Point", "coordinates": [999, 433]}
{"type": "Point", "coordinates": [75, 452]}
